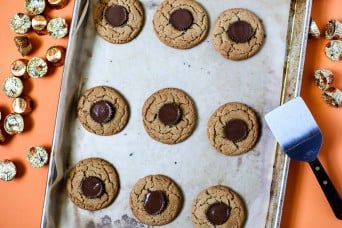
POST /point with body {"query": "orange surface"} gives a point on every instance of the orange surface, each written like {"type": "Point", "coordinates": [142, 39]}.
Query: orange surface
{"type": "Point", "coordinates": [305, 203]}
{"type": "Point", "coordinates": [21, 200]}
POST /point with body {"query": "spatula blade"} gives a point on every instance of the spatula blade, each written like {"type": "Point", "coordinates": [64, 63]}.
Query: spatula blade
{"type": "Point", "coordinates": [295, 129]}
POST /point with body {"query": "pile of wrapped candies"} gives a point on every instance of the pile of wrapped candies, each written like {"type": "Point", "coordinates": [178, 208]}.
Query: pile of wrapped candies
{"type": "Point", "coordinates": [324, 78]}
{"type": "Point", "coordinates": [36, 67]}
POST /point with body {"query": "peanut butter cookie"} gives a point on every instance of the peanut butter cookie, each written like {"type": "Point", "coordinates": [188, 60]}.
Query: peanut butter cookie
{"type": "Point", "coordinates": [169, 116]}
{"type": "Point", "coordinates": [180, 24]}
{"type": "Point", "coordinates": [238, 34]}
{"type": "Point", "coordinates": [92, 184]}
{"type": "Point", "coordinates": [118, 21]}
{"type": "Point", "coordinates": [155, 200]}
{"type": "Point", "coordinates": [233, 129]}
{"type": "Point", "coordinates": [218, 206]}
{"type": "Point", "coordinates": [102, 111]}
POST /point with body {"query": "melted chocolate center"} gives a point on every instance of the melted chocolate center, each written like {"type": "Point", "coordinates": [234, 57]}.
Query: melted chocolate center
{"type": "Point", "coordinates": [218, 213]}
{"type": "Point", "coordinates": [116, 15]}
{"type": "Point", "coordinates": [240, 31]}
{"type": "Point", "coordinates": [102, 111]}
{"type": "Point", "coordinates": [155, 202]}
{"type": "Point", "coordinates": [92, 187]}
{"type": "Point", "coordinates": [169, 114]}
{"type": "Point", "coordinates": [236, 130]}
{"type": "Point", "coordinates": [181, 19]}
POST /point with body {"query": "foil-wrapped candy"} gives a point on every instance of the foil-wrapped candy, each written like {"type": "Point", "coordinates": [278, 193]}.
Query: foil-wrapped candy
{"type": "Point", "coordinates": [39, 23]}
{"type": "Point", "coordinates": [323, 78]}
{"type": "Point", "coordinates": [57, 27]}
{"type": "Point", "coordinates": [22, 105]}
{"type": "Point", "coordinates": [333, 30]}
{"type": "Point", "coordinates": [37, 67]}
{"type": "Point", "coordinates": [8, 170]}
{"type": "Point", "coordinates": [37, 156]}
{"type": "Point", "coordinates": [58, 4]}
{"type": "Point", "coordinates": [333, 97]}
{"type": "Point", "coordinates": [23, 44]}
{"type": "Point", "coordinates": [20, 23]}
{"type": "Point", "coordinates": [333, 50]}
{"type": "Point", "coordinates": [18, 68]}
{"type": "Point", "coordinates": [2, 137]}
{"type": "Point", "coordinates": [14, 124]}
{"type": "Point", "coordinates": [55, 55]}
{"type": "Point", "coordinates": [314, 30]}
{"type": "Point", "coordinates": [13, 86]}
{"type": "Point", "coordinates": [35, 7]}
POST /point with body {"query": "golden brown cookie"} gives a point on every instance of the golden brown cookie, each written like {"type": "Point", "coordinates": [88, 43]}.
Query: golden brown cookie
{"type": "Point", "coordinates": [233, 129]}
{"type": "Point", "coordinates": [102, 111]}
{"type": "Point", "coordinates": [169, 116]}
{"type": "Point", "coordinates": [92, 184]}
{"type": "Point", "coordinates": [180, 24]}
{"type": "Point", "coordinates": [118, 21]}
{"type": "Point", "coordinates": [238, 34]}
{"type": "Point", "coordinates": [155, 200]}
{"type": "Point", "coordinates": [218, 207]}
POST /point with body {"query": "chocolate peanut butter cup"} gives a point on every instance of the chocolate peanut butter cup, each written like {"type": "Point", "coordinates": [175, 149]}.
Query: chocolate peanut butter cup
{"type": "Point", "coordinates": [102, 111]}
{"type": "Point", "coordinates": [92, 187]}
{"type": "Point", "coordinates": [116, 15]}
{"type": "Point", "coordinates": [155, 202]}
{"type": "Point", "coordinates": [181, 19]}
{"type": "Point", "coordinates": [240, 31]}
{"type": "Point", "coordinates": [236, 130]}
{"type": "Point", "coordinates": [170, 114]}
{"type": "Point", "coordinates": [218, 213]}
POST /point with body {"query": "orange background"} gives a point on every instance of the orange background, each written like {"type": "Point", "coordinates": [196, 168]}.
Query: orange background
{"type": "Point", "coordinates": [305, 203]}
{"type": "Point", "coordinates": [21, 200]}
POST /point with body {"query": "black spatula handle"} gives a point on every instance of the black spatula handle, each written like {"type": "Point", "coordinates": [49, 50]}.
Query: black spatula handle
{"type": "Point", "coordinates": [328, 188]}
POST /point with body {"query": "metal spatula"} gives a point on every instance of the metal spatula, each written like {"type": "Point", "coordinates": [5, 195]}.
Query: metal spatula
{"type": "Point", "coordinates": [300, 138]}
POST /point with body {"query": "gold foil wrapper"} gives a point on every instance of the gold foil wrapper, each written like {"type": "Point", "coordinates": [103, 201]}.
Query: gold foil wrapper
{"type": "Point", "coordinates": [39, 24]}
{"type": "Point", "coordinates": [12, 86]}
{"type": "Point", "coordinates": [314, 30]}
{"type": "Point", "coordinates": [18, 68]}
{"type": "Point", "coordinates": [2, 137]}
{"type": "Point", "coordinates": [8, 170]}
{"type": "Point", "coordinates": [55, 55]}
{"type": "Point", "coordinates": [35, 7]}
{"type": "Point", "coordinates": [37, 67]}
{"type": "Point", "coordinates": [333, 30]}
{"type": "Point", "coordinates": [20, 23]}
{"type": "Point", "coordinates": [58, 4]}
{"type": "Point", "coordinates": [37, 156]}
{"type": "Point", "coordinates": [23, 44]}
{"type": "Point", "coordinates": [333, 97]}
{"type": "Point", "coordinates": [14, 124]}
{"type": "Point", "coordinates": [323, 78]}
{"type": "Point", "coordinates": [57, 27]}
{"type": "Point", "coordinates": [333, 50]}
{"type": "Point", "coordinates": [22, 105]}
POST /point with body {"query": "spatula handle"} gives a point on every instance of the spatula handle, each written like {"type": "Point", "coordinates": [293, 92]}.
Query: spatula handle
{"type": "Point", "coordinates": [328, 188]}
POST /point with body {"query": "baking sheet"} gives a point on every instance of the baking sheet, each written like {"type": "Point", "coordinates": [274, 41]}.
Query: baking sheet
{"type": "Point", "coordinates": [138, 69]}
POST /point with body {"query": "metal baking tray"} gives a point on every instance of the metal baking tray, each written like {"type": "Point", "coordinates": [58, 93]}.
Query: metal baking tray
{"type": "Point", "coordinates": [145, 65]}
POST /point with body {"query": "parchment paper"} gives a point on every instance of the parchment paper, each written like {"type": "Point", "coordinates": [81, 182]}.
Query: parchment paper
{"type": "Point", "coordinates": [145, 65]}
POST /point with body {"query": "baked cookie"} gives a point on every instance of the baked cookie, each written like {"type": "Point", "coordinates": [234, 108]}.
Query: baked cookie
{"type": "Point", "coordinates": [218, 206]}
{"type": "Point", "coordinates": [155, 200]}
{"type": "Point", "coordinates": [180, 24]}
{"type": "Point", "coordinates": [118, 21]}
{"type": "Point", "coordinates": [92, 184]}
{"type": "Point", "coordinates": [238, 34]}
{"type": "Point", "coordinates": [169, 116]}
{"type": "Point", "coordinates": [102, 111]}
{"type": "Point", "coordinates": [233, 129]}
